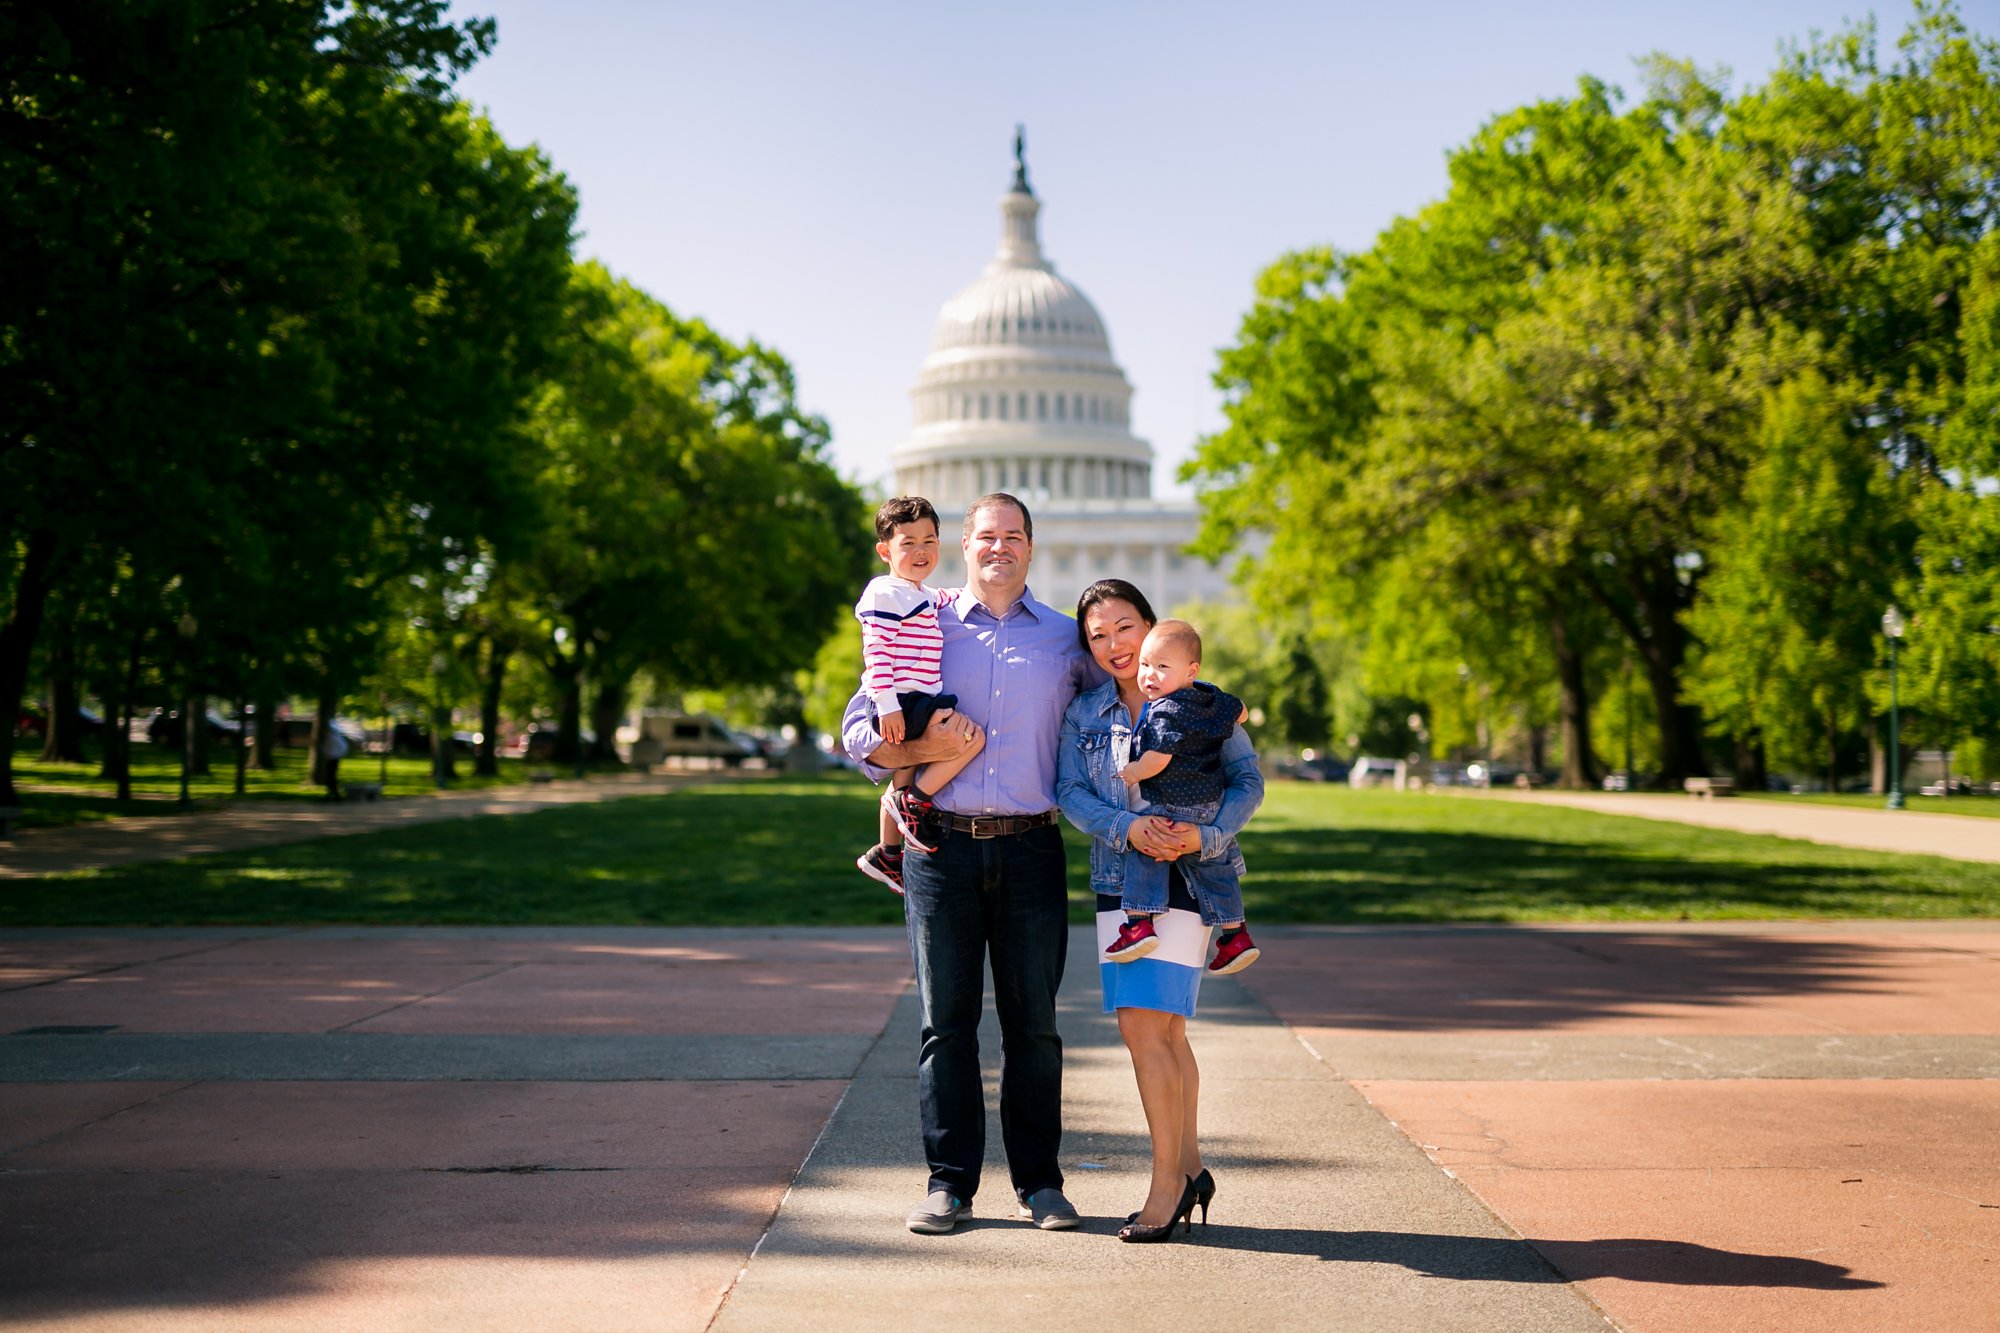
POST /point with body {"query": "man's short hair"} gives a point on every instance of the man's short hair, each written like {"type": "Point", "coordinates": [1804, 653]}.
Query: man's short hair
{"type": "Point", "coordinates": [1180, 635]}
{"type": "Point", "coordinates": [993, 500]}
{"type": "Point", "coordinates": [903, 509]}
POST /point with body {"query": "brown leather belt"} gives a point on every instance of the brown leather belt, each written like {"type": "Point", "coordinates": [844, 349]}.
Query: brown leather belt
{"type": "Point", "coordinates": [995, 826]}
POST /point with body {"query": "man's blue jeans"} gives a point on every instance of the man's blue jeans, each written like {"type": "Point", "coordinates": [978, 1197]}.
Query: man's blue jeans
{"type": "Point", "coordinates": [970, 898]}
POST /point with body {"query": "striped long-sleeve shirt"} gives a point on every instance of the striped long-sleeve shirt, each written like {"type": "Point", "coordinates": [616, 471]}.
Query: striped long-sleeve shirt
{"type": "Point", "coordinates": [902, 649]}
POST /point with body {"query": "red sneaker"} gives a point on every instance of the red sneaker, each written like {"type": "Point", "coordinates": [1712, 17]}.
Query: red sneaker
{"type": "Point", "coordinates": [1235, 953]}
{"type": "Point", "coordinates": [879, 864]}
{"type": "Point", "coordinates": [1135, 940]}
{"type": "Point", "coordinates": [912, 813]}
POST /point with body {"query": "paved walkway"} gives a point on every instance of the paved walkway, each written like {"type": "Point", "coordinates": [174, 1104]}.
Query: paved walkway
{"type": "Point", "coordinates": [238, 825]}
{"type": "Point", "coordinates": [1771, 1126]}
{"type": "Point", "coordinates": [1962, 837]}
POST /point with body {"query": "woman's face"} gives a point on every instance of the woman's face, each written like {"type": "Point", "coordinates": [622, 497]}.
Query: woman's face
{"type": "Point", "coordinates": [1114, 632]}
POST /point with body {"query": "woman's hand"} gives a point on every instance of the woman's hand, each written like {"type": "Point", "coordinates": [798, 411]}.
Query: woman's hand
{"type": "Point", "coordinates": [1163, 839]}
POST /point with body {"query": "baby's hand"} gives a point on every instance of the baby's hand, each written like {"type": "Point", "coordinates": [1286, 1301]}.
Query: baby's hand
{"type": "Point", "coordinates": [1243, 716]}
{"type": "Point", "coordinates": [891, 727]}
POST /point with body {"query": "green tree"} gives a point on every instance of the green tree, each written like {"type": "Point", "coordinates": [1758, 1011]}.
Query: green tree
{"type": "Point", "coordinates": [689, 508]}
{"type": "Point", "coordinates": [1800, 571]}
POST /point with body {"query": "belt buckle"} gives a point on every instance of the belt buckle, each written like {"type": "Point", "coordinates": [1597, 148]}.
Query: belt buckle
{"type": "Point", "coordinates": [986, 826]}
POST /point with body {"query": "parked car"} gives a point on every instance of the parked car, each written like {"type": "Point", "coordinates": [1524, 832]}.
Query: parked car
{"type": "Point", "coordinates": [691, 736]}
{"type": "Point", "coordinates": [538, 742]}
{"type": "Point", "coordinates": [164, 727]}
{"type": "Point", "coordinates": [31, 722]}
{"type": "Point", "coordinates": [1321, 768]}
{"type": "Point", "coordinates": [410, 738]}
{"type": "Point", "coordinates": [1368, 771]}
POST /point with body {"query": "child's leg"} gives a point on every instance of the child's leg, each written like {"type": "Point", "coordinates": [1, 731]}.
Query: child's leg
{"type": "Point", "coordinates": [890, 835]}
{"type": "Point", "coordinates": [1144, 892]}
{"type": "Point", "coordinates": [939, 772]}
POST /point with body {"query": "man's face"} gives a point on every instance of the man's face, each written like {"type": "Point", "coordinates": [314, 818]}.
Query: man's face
{"type": "Point", "coordinates": [1164, 666]}
{"type": "Point", "coordinates": [997, 551]}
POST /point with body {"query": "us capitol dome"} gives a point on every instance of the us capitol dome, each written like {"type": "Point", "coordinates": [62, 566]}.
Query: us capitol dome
{"type": "Point", "coordinates": [1020, 394]}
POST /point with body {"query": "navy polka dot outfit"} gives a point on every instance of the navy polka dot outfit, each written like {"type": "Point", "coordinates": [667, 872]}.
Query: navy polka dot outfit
{"type": "Point", "coordinates": [1190, 724]}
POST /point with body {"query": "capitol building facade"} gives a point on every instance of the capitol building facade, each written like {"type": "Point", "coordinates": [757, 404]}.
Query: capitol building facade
{"type": "Point", "coordinates": [1020, 394]}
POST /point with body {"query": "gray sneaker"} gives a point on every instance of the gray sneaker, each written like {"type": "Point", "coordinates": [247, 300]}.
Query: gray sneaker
{"type": "Point", "coordinates": [1051, 1211]}
{"type": "Point", "coordinates": [938, 1213]}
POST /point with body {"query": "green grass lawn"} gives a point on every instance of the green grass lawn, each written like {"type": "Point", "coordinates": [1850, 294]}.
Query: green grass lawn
{"type": "Point", "coordinates": [781, 852]}
{"type": "Point", "coordinates": [54, 795]}
{"type": "Point", "coordinates": [1985, 807]}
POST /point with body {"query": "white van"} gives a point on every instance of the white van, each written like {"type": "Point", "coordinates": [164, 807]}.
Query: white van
{"type": "Point", "coordinates": [664, 736]}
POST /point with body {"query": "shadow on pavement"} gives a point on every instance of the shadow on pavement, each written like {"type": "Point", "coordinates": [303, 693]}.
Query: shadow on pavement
{"type": "Point", "coordinates": [1495, 1259]}
{"type": "Point", "coordinates": [1527, 978]}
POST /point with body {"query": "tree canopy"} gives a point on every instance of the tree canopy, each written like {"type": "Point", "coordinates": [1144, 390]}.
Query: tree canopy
{"type": "Point", "coordinates": [1699, 381]}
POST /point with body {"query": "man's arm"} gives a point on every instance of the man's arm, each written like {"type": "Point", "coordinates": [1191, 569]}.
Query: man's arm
{"type": "Point", "coordinates": [948, 736]}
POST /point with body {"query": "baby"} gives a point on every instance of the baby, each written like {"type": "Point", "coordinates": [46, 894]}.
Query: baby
{"type": "Point", "coordinates": [1176, 764]}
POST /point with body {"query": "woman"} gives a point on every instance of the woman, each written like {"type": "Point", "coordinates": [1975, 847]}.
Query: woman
{"type": "Point", "coordinates": [1155, 996]}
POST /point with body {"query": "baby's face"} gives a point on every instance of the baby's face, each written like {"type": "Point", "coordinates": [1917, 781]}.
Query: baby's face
{"type": "Point", "coordinates": [1164, 666]}
{"type": "Point", "coordinates": [912, 550]}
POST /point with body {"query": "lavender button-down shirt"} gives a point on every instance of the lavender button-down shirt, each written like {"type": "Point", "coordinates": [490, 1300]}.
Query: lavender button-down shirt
{"type": "Point", "coordinates": [1013, 675]}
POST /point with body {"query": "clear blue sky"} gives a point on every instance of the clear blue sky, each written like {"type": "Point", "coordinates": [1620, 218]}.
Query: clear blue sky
{"type": "Point", "coordinates": [823, 176]}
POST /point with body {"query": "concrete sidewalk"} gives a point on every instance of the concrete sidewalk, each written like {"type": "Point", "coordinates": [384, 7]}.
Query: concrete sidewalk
{"type": "Point", "coordinates": [1962, 837]}
{"type": "Point", "coordinates": [1784, 1126]}
{"type": "Point", "coordinates": [245, 824]}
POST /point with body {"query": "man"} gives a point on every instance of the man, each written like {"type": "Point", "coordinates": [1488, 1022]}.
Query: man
{"type": "Point", "coordinates": [994, 885]}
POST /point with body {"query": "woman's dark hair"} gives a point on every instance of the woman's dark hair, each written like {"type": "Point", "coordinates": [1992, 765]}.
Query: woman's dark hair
{"type": "Point", "coordinates": [1110, 590]}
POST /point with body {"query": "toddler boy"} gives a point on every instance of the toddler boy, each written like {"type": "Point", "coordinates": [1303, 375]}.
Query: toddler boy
{"type": "Point", "coordinates": [902, 653]}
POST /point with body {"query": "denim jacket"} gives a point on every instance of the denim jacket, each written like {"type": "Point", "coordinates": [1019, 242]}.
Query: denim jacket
{"type": "Point", "coordinates": [1092, 796]}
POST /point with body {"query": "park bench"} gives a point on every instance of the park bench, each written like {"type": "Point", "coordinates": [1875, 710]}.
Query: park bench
{"type": "Point", "coordinates": [8, 814]}
{"type": "Point", "coordinates": [367, 791]}
{"type": "Point", "coordinates": [1705, 788]}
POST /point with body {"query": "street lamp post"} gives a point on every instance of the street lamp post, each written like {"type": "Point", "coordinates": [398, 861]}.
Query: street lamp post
{"type": "Point", "coordinates": [1627, 702]}
{"type": "Point", "coordinates": [1893, 626]}
{"type": "Point", "coordinates": [188, 627]}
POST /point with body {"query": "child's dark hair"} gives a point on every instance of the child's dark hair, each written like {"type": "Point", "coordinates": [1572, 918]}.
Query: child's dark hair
{"type": "Point", "coordinates": [903, 509]}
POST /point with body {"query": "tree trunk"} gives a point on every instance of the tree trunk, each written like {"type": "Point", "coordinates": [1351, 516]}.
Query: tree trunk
{"type": "Point", "coordinates": [606, 710]}
{"type": "Point", "coordinates": [569, 716]}
{"type": "Point", "coordinates": [194, 719]}
{"type": "Point", "coordinates": [322, 719]}
{"type": "Point", "coordinates": [443, 769]}
{"type": "Point", "coordinates": [117, 757]}
{"type": "Point", "coordinates": [1749, 765]}
{"type": "Point", "coordinates": [242, 745]}
{"type": "Point", "coordinates": [263, 756]}
{"type": "Point", "coordinates": [124, 773]}
{"type": "Point", "coordinates": [486, 760]}
{"type": "Point", "coordinates": [62, 743]}
{"type": "Point", "coordinates": [17, 644]}
{"type": "Point", "coordinates": [1832, 754]}
{"type": "Point", "coordinates": [1878, 762]}
{"type": "Point", "coordinates": [1579, 770]}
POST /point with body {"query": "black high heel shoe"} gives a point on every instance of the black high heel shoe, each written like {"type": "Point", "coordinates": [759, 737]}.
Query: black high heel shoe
{"type": "Point", "coordinates": [1138, 1233]}
{"type": "Point", "coordinates": [1204, 1191]}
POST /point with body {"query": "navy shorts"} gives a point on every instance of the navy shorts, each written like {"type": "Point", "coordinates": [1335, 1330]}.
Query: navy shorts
{"type": "Point", "coordinates": [918, 709]}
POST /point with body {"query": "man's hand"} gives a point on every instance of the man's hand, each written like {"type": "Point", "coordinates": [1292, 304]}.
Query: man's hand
{"type": "Point", "coordinates": [891, 726]}
{"type": "Point", "coordinates": [947, 737]}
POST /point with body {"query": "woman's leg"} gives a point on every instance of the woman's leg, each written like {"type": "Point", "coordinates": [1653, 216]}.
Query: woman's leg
{"type": "Point", "coordinates": [1190, 1096]}
{"type": "Point", "coordinates": [1158, 1069]}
